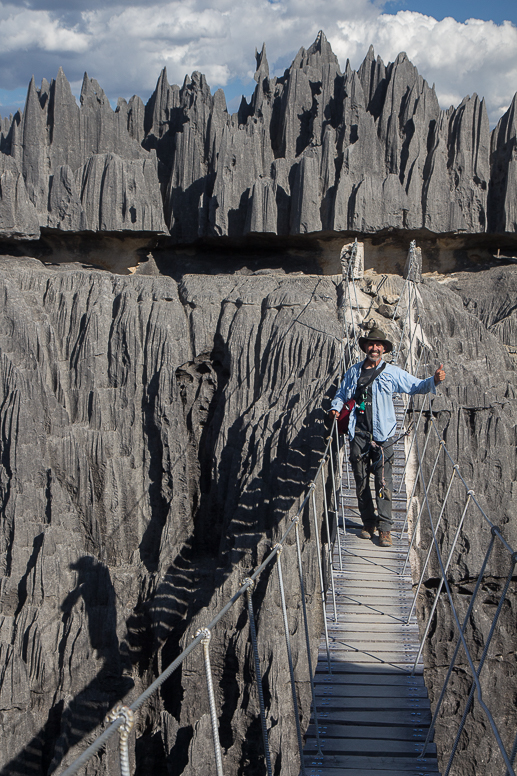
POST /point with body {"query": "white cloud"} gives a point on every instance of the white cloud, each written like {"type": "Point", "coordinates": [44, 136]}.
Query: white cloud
{"type": "Point", "coordinates": [474, 57]}
{"type": "Point", "coordinates": [125, 46]}
{"type": "Point", "coordinates": [25, 30]}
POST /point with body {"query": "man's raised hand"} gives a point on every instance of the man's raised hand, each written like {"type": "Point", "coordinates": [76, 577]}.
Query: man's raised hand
{"type": "Point", "coordinates": [439, 375]}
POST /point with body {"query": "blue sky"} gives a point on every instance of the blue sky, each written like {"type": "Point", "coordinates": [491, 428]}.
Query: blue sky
{"type": "Point", "coordinates": [462, 47]}
{"type": "Point", "coordinates": [461, 10]}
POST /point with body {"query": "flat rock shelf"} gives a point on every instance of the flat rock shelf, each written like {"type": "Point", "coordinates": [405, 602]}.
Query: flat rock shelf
{"type": "Point", "coordinates": [373, 714]}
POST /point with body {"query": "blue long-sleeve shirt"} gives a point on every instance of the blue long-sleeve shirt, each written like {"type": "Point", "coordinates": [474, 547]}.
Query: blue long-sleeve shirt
{"type": "Point", "coordinates": [391, 380]}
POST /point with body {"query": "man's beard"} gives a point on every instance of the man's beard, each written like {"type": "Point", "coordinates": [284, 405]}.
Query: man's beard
{"type": "Point", "coordinates": [375, 359]}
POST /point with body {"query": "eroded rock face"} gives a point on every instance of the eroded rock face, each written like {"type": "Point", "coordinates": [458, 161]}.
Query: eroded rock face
{"type": "Point", "coordinates": [469, 317]}
{"type": "Point", "coordinates": [156, 437]}
{"type": "Point", "coordinates": [314, 150]}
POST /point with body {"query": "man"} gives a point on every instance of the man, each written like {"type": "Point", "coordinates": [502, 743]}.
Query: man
{"type": "Point", "coordinates": [372, 425]}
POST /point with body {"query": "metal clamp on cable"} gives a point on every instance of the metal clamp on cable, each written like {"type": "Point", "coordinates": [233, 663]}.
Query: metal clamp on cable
{"type": "Point", "coordinates": [278, 548]}
{"type": "Point", "coordinates": [250, 582]}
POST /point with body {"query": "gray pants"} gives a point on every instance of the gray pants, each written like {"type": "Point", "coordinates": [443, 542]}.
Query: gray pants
{"type": "Point", "coordinates": [365, 459]}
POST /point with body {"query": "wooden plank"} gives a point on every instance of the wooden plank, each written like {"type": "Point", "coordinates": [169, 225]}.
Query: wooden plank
{"type": "Point", "coordinates": [415, 771]}
{"type": "Point", "coordinates": [356, 746]}
{"type": "Point", "coordinates": [369, 691]}
{"type": "Point", "coordinates": [374, 704]}
{"type": "Point", "coordinates": [343, 668]}
{"type": "Point", "coordinates": [393, 732]}
{"type": "Point", "coordinates": [418, 766]}
{"type": "Point", "coordinates": [411, 718]}
{"type": "Point", "coordinates": [375, 679]}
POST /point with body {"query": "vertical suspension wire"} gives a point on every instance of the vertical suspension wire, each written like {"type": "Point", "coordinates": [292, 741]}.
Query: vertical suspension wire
{"type": "Point", "coordinates": [205, 642]}
{"type": "Point", "coordinates": [417, 523]}
{"type": "Point", "coordinates": [472, 667]}
{"type": "Point", "coordinates": [430, 548]}
{"type": "Point", "coordinates": [307, 635]}
{"type": "Point", "coordinates": [258, 676]}
{"type": "Point", "coordinates": [470, 493]}
{"type": "Point", "coordinates": [413, 489]}
{"type": "Point", "coordinates": [476, 684]}
{"type": "Point", "coordinates": [320, 569]}
{"type": "Point", "coordinates": [466, 619]}
{"type": "Point", "coordinates": [409, 356]}
{"type": "Point", "coordinates": [123, 712]}
{"type": "Point", "coordinates": [340, 457]}
{"type": "Point", "coordinates": [350, 308]}
{"type": "Point", "coordinates": [410, 398]}
{"type": "Point", "coordinates": [289, 656]}
{"type": "Point", "coordinates": [330, 564]}
{"type": "Point", "coordinates": [336, 500]}
{"type": "Point", "coordinates": [415, 431]}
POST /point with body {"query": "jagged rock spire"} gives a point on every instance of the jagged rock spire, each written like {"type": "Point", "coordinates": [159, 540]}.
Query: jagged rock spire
{"type": "Point", "coordinates": [262, 70]}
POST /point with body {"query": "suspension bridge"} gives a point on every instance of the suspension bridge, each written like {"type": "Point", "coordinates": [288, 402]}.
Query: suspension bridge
{"type": "Point", "coordinates": [370, 711]}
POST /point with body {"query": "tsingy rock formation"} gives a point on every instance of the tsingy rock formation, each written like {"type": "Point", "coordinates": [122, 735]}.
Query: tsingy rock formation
{"type": "Point", "coordinates": [315, 150]}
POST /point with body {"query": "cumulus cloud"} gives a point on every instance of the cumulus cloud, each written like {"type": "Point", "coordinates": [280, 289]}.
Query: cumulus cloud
{"type": "Point", "coordinates": [459, 58]}
{"type": "Point", "coordinates": [125, 45]}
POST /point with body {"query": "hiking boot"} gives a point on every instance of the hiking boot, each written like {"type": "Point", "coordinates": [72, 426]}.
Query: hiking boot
{"type": "Point", "coordinates": [385, 539]}
{"type": "Point", "coordinates": [367, 532]}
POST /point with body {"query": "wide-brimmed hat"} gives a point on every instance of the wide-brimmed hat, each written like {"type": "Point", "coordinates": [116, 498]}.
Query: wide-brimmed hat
{"type": "Point", "coordinates": [375, 335]}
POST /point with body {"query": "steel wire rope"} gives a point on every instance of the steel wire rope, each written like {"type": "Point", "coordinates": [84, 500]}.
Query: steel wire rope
{"type": "Point", "coordinates": [330, 564]}
{"type": "Point", "coordinates": [478, 673]}
{"type": "Point", "coordinates": [421, 412]}
{"type": "Point", "coordinates": [417, 523]}
{"type": "Point", "coordinates": [336, 503]}
{"type": "Point", "coordinates": [290, 657]}
{"type": "Point", "coordinates": [258, 678]}
{"type": "Point", "coordinates": [413, 490]}
{"type": "Point", "coordinates": [458, 627]}
{"type": "Point", "coordinates": [128, 720]}
{"type": "Point", "coordinates": [430, 549]}
{"type": "Point", "coordinates": [205, 642]}
{"type": "Point", "coordinates": [473, 597]}
{"type": "Point", "coordinates": [307, 635]}
{"type": "Point", "coordinates": [341, 455]}
{"type": "Point", "coordinates": [322, 584]}
{"type": "Point", "coordinates": [440, 585]}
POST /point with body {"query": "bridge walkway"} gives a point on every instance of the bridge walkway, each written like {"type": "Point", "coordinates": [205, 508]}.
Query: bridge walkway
{"type": "Point", "coordinates": [373, 715]}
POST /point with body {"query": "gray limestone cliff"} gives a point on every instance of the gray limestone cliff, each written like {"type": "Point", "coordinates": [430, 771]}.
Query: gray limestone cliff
{"type": "Point", "coordinates": [155, 438]}
{"type": "Point", "coordinates": [315, 150]}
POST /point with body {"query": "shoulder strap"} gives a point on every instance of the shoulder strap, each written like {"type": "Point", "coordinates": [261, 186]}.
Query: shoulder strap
{"type": "Point", "coordinates": [376, 373]}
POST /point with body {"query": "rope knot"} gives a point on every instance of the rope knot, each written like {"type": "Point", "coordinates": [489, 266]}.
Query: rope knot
{"type": "Point", "coordinates": [205, 633]}
{"type": "Point", "coordinates": [124, 712]}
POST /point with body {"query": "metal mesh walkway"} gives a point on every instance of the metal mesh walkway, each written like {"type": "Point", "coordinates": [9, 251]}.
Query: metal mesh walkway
{"type": "Point", "coordinates": [373, 715]}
